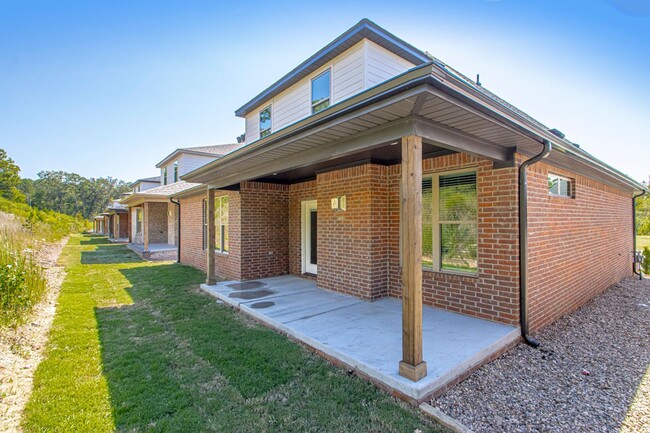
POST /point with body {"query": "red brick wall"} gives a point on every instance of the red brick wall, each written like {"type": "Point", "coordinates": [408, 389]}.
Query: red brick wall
{"type": "Point", "coordinates": [493, 293]}
{"type": "Point", "coordinates": [227, 266]}
{"type": "Point", "coordinates": [264, 230]}
{"type": "Point", "coordinates": [124, 225]}
{"type": "Point", "coordinates": [352, 249]}
{"type": "Point", "coordinates": [298, 193]}
{"type": "Point", "coordinates": [578, 247]}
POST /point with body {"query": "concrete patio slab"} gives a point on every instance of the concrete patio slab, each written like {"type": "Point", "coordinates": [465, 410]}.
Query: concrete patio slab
{"type": "Point", "coordinates": [367, 336]}
{"type": "Point", "coordinates": [155, 251]}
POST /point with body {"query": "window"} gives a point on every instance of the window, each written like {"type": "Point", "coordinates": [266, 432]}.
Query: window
{"type": "Point", "coordinates": [560, 186]}
{"type": "Point", "coordinates": [175, 171]}
{"type": "Point", "coordinates": [165, 176]}
{"type": "Point", "coordinates": [205, 224]}
{"type": "Point", "coordinates": [450, 222]}
{"type": "Point", "coordinates": [138, 220]}
{"type": "Point", "coordinates": [265, 122]}
{"type": "Point", "coordinates": [221, 223]}
{"type": "Point", "coordinates": [320, 92]}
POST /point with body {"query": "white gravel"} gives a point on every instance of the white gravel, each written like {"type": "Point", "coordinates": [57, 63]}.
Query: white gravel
{"type": "Point", "coordinates": [589, 374]}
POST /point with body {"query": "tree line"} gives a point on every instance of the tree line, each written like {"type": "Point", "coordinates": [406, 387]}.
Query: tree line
{"type": "Point", "coordinates": [67, 193]}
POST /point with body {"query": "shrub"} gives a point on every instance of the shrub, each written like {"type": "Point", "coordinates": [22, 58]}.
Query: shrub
{"type": "Point", "coordinates": [645, 265]}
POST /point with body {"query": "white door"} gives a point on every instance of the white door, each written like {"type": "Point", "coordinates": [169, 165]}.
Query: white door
{"type": "Point", "coordinates": [309, 237]}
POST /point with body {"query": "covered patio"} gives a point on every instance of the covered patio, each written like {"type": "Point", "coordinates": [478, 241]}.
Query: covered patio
{"type": "Point", "coordinates": [158, 251]}
{"type": "Point", "coordinates": [366, 336]}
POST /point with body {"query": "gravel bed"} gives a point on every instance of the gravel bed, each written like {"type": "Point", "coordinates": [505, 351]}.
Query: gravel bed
{"type": "Point", "coordinates": [587, 375]}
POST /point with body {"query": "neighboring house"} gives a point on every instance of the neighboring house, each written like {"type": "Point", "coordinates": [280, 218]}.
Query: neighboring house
{"type": "Point", "coordinates": [145, 184]}
{"type": "Point", "coordinates": [380, 171]}
{"type": "Point", "coordinates": [153, 215]}
{"type": "Point", "coordinates": [98, 224]}
{"type": "Point", "coordinates": [117, 222]}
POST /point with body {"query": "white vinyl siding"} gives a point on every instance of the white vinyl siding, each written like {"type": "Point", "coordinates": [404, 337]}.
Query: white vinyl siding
{"type": "Point", "coordinates": [382, 65]}
{"type": "Point", "coordinates": [188, 162]}
{"type": "Point", "coordinates": [348, 73]}
{"type": "Point", "coordinates": [363, 65]}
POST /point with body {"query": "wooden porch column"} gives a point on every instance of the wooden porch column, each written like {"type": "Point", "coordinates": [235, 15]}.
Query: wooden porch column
{"type": "Point", "coordinates": [211, 277]}
{"type": "Point", "coordinates": [145, 225]}
{"type": "Point", "coordinates": [115, 233]}
{"type": "Point", "coordinates": [129, 228]}
{"type": "Point", "coordinates": [412, 366]}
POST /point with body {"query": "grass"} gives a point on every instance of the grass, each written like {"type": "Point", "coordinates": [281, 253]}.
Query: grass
{"type": "Point", "coordinates": [136, 346]}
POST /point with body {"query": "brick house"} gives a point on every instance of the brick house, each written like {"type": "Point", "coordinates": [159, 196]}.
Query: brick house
{"type": "Point", "coordinates": [153, 215]}
{"type": "Point", "coordinates": [379, 171]}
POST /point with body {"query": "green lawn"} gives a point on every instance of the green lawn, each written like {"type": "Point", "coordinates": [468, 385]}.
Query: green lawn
{"type": "Point", "coordinates": [642, 241]}
{"type": "Point", "coordinates": [136, 346]}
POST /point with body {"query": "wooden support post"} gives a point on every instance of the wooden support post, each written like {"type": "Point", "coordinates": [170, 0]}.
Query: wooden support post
{"type": "Point", "coordinates": [129, 226]}
{"type": "Point", "coordinates": [211, 277]}
{"type": "Point", "coordinates": [145, 225]}
{"type": "Point", "coordinates": [412, 366]}
{"type": "Point", "coordinates": [115, 232]}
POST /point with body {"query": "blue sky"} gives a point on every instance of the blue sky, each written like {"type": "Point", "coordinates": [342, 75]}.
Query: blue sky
{"type": "Point", "coordinates": [109, 88]}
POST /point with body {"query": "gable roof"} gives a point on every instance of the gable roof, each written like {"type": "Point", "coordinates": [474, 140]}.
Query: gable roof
{"type": "Point", "coordinates": [216, 150]}
{"type": "Point", "coordinates": [152, 179]}
{"type": "Point", "coordinates": [363, 29]}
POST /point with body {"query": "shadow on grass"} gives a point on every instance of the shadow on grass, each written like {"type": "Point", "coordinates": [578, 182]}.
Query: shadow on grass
{"type": "Point", "coordinates": [176, 360]}
{"type": "Point", "coordinates": [94, 240]}
{"type": "Point", "coordinates": [109, 254]}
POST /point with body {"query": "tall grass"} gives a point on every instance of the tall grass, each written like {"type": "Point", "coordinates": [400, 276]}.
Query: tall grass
{"type": "Point", "coordinates": [22, 282]}
{"type": "Point", "coordinates": [23, 230]}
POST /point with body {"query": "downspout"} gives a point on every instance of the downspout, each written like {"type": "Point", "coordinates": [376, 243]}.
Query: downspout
{"type": "Point", "coordinates": [634, 257]}
{"type": "Point", "coordinates": [523, 241]}
{"type": "Point", "coordinates": [178, 228]}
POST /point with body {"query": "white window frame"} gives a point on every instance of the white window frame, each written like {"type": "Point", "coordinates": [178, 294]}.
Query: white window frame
{"type": "Point", "coordinates": [259, 121]}
{"type": "Point", "coordinates": [165, 176]}
{"type": "Point", "coordinates": [175, 171]}
{"type": "Point", "coordinates": [436, 222]}
{"type": "Point", "coordinates": [311, 91]}
{"type": "Point", "coordinates": [570, 185]}
{"type": "Point", "coordinates": [139, 218]}
{"type": "Point", "coordinates": [222, 228]}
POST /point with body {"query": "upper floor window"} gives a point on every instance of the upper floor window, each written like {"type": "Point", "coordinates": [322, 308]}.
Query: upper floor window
{"type": "Point", "coordinates": [165, 176]}
{"type": "Point", "coordinates": [320, 92]}
{"type": "Point", "coordinates": [560, 186]}
{"type": "Point", "coordinates": [450, 222]}
{"type": "Point", "coordinates": [175, 171]}
{"type": "Point", "coordinates": [265, 122]}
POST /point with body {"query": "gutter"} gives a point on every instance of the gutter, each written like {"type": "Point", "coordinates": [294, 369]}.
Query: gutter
{"type": "Point", "coordinates": [178, 228]}
{"type": "Point", "coordinates": [523, 242]}
{"type": "Point", "coordinates": [634, 252]}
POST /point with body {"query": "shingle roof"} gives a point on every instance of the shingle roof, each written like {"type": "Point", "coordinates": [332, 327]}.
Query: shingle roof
{"type": "Point", "coordinates": [216, 149]}
{"type": "Point", "coordinates": [167, 190]}
{"type": "Point", "coordinates": [146, 179]}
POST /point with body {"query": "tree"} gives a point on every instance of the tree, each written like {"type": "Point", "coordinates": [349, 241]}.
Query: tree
{"type": "Point", "coordinates": [72, 194]}
{"type": "Point", "coordinates": [9, 177]}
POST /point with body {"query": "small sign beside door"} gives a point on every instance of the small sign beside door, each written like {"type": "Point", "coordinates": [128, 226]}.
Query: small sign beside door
{"type": "Point", "coordinates": [338, 203]}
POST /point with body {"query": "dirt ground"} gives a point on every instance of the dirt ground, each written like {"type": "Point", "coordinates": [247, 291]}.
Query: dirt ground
{"type": "Point", "coordinates": [21, 349]}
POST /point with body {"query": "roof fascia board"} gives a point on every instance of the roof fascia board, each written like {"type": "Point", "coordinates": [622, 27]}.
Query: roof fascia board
{"type": "Point", "coordinates": [364, 29]}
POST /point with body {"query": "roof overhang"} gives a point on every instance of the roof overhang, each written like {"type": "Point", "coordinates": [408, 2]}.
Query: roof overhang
{"type": "Point", "coordinates": [430, 101]}
{"type": "Point", "coordinates": [364, 29]}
